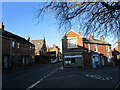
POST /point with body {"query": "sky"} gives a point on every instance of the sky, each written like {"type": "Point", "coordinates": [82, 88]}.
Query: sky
{"type": "Point", "coordinates": [19, 18]}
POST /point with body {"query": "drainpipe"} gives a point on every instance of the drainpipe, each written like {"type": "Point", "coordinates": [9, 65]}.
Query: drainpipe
{"type": "Point", "coordinates": [10, 52]}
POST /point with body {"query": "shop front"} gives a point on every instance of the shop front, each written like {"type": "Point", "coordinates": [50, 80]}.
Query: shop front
{"type": "Point", "coordinates": [73, 61]}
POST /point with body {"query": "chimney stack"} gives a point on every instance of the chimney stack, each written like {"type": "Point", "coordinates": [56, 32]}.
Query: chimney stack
{"type": "Point", "coordinates": [102, 38]}
{"type": "Point", "coordinates": [1, 26]}
{"type": "Point", "coordinates": [54, 45]}
{"type": "Point", "coordinates": [91, 37]}
{"type": "Point", "coordinates": [28, 38]}
{"type": "Point", "coordinates": [80, 33]}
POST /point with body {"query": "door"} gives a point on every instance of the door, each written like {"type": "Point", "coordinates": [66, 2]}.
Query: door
{"type": "Point", "coordinates": [5, 62]}
{"type": "Point", "coordinates": [27, 60]}
{"type": "Point", "coordinates": [93, 62]}
{"type": "Point", "coordinates": [23, 60]}
{"type": "Point", "coordinates": [79, 62]}
{"type": "Point", "coordinates": [96, 60]}
{"type": "Point", "coordinates": [102, 61]}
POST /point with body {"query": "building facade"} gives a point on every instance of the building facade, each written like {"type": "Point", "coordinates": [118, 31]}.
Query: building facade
{"type": "Point", "coordinates": [116, 53]}
{"type": "Point", "coordinates": [85, 52]}
{"type": "Point", "coordinates": [40, 47]}
{"type": "Point", "coordinates": [54, 51]}
{"type": "Point", "coordinates": [16, 51]}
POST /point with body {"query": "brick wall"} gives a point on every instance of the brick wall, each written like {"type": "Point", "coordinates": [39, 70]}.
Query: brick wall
{"type": "Point", "coordinates": [5, 46]}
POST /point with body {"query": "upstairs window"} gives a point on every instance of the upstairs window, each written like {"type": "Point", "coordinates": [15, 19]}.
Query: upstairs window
{"type": "Point", "coordinates": [107, 48]}
{"type": "Point", "coordinates": [109, 57]}
{"type": "Point", "coordinates": [38, 43]}
{"type": "Point", "coordinates": [30, 47]}
{"type": "Point", "coordinates": [95, 47]}
{"type": "Point", "coordinates": [72, 42]}
{"type": "Point", "coordinates": [88, 47]}
{"type": "Point", "coordinates": [18, 45]}
{"type": "Point", "coordinates": [13, 44]}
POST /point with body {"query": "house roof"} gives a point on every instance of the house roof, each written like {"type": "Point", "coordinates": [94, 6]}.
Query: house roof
{"type": "Point", "coordinates": [94, 41]}
{"type": "Point", "coordinates": [15, 37]}
{"type": "Point", "coordinates": [38, 43]}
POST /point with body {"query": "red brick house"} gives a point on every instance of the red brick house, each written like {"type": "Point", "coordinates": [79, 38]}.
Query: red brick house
{"type": "Point", "coordinates": [85, 52]}
{"type": "Point", "coordinates": [40, 51]}
{"type": "Point", "coordinates": [16, 51]}
{"type": "Point", "coordinates": [40, 46]}
{"type": "Point", "coordinates": [116, 53]}
{"type": "Point", "coordinates": [54, 51]}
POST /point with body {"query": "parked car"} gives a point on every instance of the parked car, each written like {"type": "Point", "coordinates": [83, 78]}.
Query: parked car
{"type": "Point", "coordinates": [53, 61]}
{"type": "Point", "coordinates": [59, 60]}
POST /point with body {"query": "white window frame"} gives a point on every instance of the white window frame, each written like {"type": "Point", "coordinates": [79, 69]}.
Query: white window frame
{"type": "Point", "coordinates": [38, 43]}
{"type": "Point", "coordinates": [109, 57]}
{"type": "Point", "coordinates": [30, 47]}
{"type": "Point", "coordinates": [107, 48]}
{"type": "Point", "coordinates": [95, 47]}
{"type": "Point", "coordinates": [18, 45]}
{"type": "Point", "coordinates": [88, 47]}
{"type": "Point", "coordinates": [69, 38]}
{"type": "Point", "coordinates": [13, 44]}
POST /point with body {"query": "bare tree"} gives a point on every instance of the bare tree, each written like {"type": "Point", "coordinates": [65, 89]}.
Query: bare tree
{"type": "Point", "coordinates": [98, 17]}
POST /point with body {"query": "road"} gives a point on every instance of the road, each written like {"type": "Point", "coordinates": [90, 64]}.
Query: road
{"type": "Point", "coordinates": [55, 76]}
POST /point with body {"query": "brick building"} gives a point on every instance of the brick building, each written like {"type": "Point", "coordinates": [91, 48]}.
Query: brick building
{"type": "Point", "coordinates": [116, 53]}
{"type": "Point", "coordinates": [40, 51]}
{"type": "Point", "coordinates": [85, 52]}
{"type": "Point", "coordinates": [54, 51]}
{"type": "Point", "coordinates": [117, 48]}
{"type": "Point", "coordinates": [40, 46]}
{"type": "Point", "coordinates": [16, 51]}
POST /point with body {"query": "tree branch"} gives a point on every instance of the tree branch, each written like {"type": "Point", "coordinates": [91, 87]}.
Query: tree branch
{"type": "Point", "coordinates": [115, 7]}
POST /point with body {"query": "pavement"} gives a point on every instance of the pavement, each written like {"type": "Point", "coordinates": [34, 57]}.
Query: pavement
{"type": "Point", "coordinates": [55, 76]}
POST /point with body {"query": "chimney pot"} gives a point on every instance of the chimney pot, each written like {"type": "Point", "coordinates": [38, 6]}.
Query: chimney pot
{"type": "Point", "coordinates": [1, 26]}
{"type": "Point", "coordinates": [80, 33]}
{"type": "Point", "coordinates": [102, 38]}
{"type": "Point", "coordinates": [54, 45]}
{"type": "Point", "coordinates": [28, 38]}
{"type": "Point", "coordinates": [91, 37]}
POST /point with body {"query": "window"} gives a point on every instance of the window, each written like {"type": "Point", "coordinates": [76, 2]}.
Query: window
{"type": "Point", "coordinates": [33, 48]}
{"type": "Point", "coordinates": [18, 45]}
{"type": "Point", "coordinates": [107, 48]}
{"type": "Point", "coordinates": [38, 43]}
{"type": "Point", "coordinates": [109, 57]}
{"type": "Point", "coordinates": [13, 43]}
{"type": "Point", "coordinates": [30, 48]}
{"type": "Point", "coordinates": [88, 47]}
{"type": "Point", "coordinates": [95, 47]}
{"type": "Point", "coordinates": [72, 42]}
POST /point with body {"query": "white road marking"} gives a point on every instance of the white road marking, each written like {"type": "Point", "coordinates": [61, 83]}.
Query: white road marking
{"type": "Point", "coordinates": [62, 77]}
{"type": "Point", "coordinates": [37, 82]}
{"type": "Point", "coordinates": [99, 77]}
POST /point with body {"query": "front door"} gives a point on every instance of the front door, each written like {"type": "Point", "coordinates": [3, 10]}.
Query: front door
{"type": "Point", "coordinates": [96, 60]}
{"type": "Point", "coordinates": [27, 60]}
{"type": "Point", "coordinates": [102, 61]}
{"type": "Point", "coordinates": [5, 62]}
{"type": "Point", "coordinates": [23, 60]}
{"type": "Point", "coordinates": [79, 62]}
